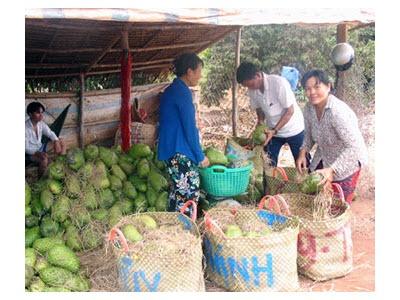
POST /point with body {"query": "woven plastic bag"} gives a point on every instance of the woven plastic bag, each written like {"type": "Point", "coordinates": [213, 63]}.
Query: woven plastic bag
{"type": "Point", "coordinates": [159, 267]}
{"type": "Point", "coordinates": [250, 264]}
{"type": "Point", "coordinates": [234, 148]}
{"type": "Point", "coordinates": [325, 247]}
{"type": "Point", "coordinates": [240, 147]}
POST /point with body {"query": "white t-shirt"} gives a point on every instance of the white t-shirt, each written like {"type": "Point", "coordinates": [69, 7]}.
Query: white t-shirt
{"type": "Point", "coordinates": [33, 143]}
{"type": "Point", "coordinates": [277, 97]}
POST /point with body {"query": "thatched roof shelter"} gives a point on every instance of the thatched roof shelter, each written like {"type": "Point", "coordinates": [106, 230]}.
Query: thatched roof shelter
{"type": "Point", "coordinates": [68, 42]}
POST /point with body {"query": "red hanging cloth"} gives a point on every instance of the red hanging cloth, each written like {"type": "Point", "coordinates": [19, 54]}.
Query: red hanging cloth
{"type": "Point", "coordinates": [125, 116]}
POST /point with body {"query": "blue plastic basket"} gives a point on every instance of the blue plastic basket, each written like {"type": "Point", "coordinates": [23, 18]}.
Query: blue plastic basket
{"type": "Point", "coordinates": [221, 181]}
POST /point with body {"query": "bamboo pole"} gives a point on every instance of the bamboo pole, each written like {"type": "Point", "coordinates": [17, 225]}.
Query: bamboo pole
{"type": "Point", "coordinates": [341, 37]}
{"type": "Point", "coordinates": [142, 89]}
{"type": "Point", "coordinates": [234, 83]}
{"type": "Point", "coordinates": [52, 66]}
{"type": "Point", "coordinates": [62, 51]}
{"type": "Point", "coordinates": [79, 50]}
{"type": "Point", "coordinates": [217, 38]}
{"type": "Point", "coordinates": [177, 37]}
{"type": "Point", "coordinates": [110, 29]}
{"type": "Point", "coordinates": [45, 54]}
{"type": "Point", "coordinates": [81, 111]}
{"type": "Point", "coordinates": [98, 72]}
{"type": "Point", "coordinates": [362, 26]}
{"type": "Point", "coordinates": [143, 63]}
{"type": "Point", "coordinates": [61, 66]}
{"type": "Point", "coordinates": [126, 73]}
{"type": "Point", "coordinates": [103, 53]}
{"type": "Point", "coordinates": [153, 36]}
{"type": "Point", "coordinates": [50, 95]}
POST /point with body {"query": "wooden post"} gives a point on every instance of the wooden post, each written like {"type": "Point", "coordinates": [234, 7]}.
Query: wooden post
{"type": "Point", "coordinates": [81, 111]}
{"type": "Point", "coordinates": [234, 83]}
{"type": "Point", "coordinates": [341, 37]}
{"type": "Point", "coordinates": [126, 75]}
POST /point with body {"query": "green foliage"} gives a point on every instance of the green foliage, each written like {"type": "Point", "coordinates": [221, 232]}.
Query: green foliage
{"type": "Point", "coordinates": [273, 46]}
{"type": "Point", "coordinates": [218, 70]}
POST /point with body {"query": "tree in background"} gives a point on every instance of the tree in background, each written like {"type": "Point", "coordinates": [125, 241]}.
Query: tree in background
{"type": "Point", "coordinates": [303, 47]}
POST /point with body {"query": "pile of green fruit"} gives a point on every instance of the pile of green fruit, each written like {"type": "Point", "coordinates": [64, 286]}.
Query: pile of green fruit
{"type": "Point", "coordinates": [85, 193]}
{"type": "Point", "coordinates": [258, 135]}
{"type": "Point", "coordinates": [216, 157]}
{"type": "Point", "coordinates": [311, 183]}
{"type": "Point", "coordinates": [51, 266]}
{"type": "Point", "coordinates": [132, 234]}
{"type": "Point", "coordinates": [156, 238]}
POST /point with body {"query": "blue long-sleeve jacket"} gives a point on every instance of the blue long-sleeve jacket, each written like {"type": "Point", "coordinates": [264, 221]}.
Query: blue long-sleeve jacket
{"type": "Point", "coordinates": [177, 124]}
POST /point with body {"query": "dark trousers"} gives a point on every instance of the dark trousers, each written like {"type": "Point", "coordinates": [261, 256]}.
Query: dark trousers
{"type": "Point", "coordinates": [276, 143]}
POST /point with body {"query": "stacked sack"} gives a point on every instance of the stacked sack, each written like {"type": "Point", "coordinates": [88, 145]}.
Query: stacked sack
{"type": "Point", "coordinates": [158, 252]}
{"type": "Point", "coordinates": [250, 250]}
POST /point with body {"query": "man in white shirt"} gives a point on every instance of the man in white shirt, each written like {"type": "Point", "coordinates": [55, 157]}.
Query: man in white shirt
{"type": "Point", "coordinates": [35, 128]}
{"type": "Point", "coordinates": [274, 101]}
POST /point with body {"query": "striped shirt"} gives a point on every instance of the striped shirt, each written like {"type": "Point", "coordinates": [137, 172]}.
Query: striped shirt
{"type": "Point", "coordinates": [340, 144]}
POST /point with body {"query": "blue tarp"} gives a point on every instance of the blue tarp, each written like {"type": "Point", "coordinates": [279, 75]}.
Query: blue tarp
{"type": "Point", "coordinates": [292, 75]}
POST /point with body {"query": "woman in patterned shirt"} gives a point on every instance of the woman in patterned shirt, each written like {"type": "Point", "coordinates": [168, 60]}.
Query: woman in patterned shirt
{"type": "Point", "coordinates": [333, 126]}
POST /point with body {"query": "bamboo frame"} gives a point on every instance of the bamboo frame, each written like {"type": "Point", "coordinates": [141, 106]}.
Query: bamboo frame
{"type": "Point", "coordinates": [98, 72]}
{"type": "Point", "coordinates": [177, 37]}
{"type": "Point", "coordinates": [103, 53]}
{"type": "Point", "coordinates": [71, 95]}
{"type": "Point", "coordinates": [137, 89]}
{"type": "Point", "coordinates": [81, 111]}
{"type": "Point", "coordinates": [361, 26]}
{"type": "Point", "coordinates": [114, 28]}
{"type": "Point", "coordinates": [220, 36]}
{"type": "Point", "coordinates": [144, 63]}
{"type": "Point", "coordinates": [155, 35]}
{"type": "Point", "coordinates": [61, 66]}
{"type": "Point", "coordinates": [50, 45]}
{"type": "Point", "coordinates": [52, 66]}
{"type": "Point", "coordinates": [341, 37]}
{"type": "Point", "coordinates": [234, 83]}
{"type": "Point", "coordinates": [126, 83]}
{"type": "Point", "coordinates": [69, 51]}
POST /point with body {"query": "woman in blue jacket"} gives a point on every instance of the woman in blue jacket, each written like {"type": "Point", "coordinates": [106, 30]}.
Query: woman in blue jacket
{"type": "Point", "coordinates": [179, 143]}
